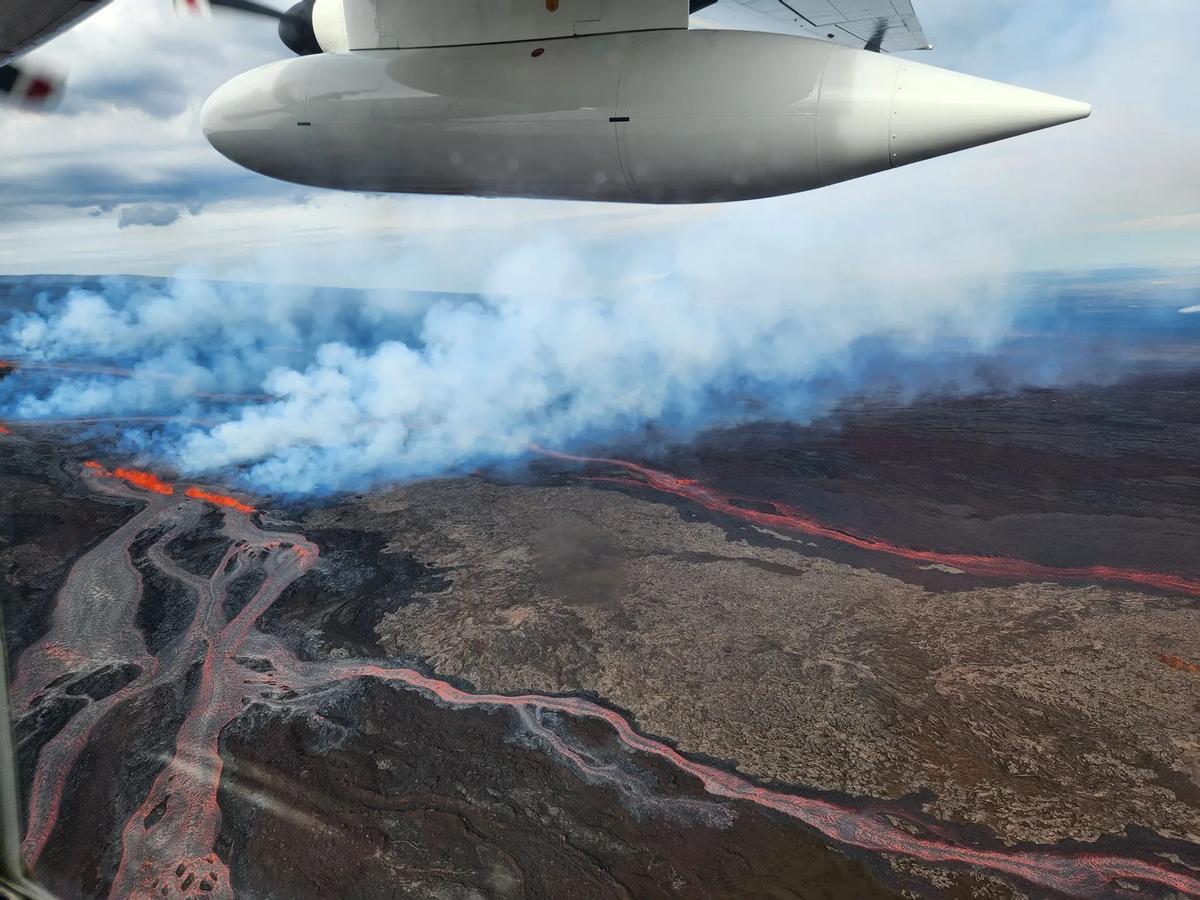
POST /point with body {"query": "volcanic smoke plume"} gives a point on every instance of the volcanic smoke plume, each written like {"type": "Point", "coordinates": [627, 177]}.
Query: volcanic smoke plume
{"type": "Point", "coordinates": [316, 389]}
{"type": "Point", "coordinates": [296, 390]}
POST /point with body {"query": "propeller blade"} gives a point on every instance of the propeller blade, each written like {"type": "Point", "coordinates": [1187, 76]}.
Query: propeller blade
{"type": "Point", "coordinates": [295, 25]}
{"type": "Point", "coordinates": [205, 7]}
{"type": "Point", "coordinates": [875, 42]}
{"type": "Point", "coordinates": [40, 90]}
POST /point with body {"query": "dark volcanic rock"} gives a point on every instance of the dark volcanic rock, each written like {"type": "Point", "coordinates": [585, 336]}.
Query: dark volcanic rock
{"type": "Point", "coordinates": [31, 732]}
{"type": "Point", "coordinates": [241, 592]}
{"type": "Point", "coordinates": [128, 750]}
{"type": "Point", "coordinates": [201, 549]}
{"type": "Point", "coordinates": [341, 601]}
{"type": "Point", "coordinates": [402, 797]}
{"type": "Point", "coordinates": [1030, 701]}
{"type": "Point", "coordinates": [1102, 475]}
{"type": "Point", "coordinates": [48, 520]}
{"type": "Point", "coordinates": [145, 539]}
{"type": "Point", "coordinates": [988, 711]}
{"type": "Point", "coordinates": [104, 681]}
{"type": "Point", "coordinates": [166, 609]}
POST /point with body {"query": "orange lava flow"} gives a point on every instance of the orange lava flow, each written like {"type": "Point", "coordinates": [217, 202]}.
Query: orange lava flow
{"type": "Point", "coordinates": [197, 493]}
{"type": "Point", "coordinates": [4, 430]}
{"type": "Point", "coordinates": [1179, 665]}
{"type": "Point", "coordinates": [788, 518]}
{"type": "Point", "coordinates": [150, 482]}
{"type": "Point", "coordinates": [147, 481]}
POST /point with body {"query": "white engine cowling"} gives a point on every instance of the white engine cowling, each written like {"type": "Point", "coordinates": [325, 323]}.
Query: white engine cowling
{"type": "Point", "coordinates": [656, 116]}
{"type": "Point", "coordinates": [404, 24]}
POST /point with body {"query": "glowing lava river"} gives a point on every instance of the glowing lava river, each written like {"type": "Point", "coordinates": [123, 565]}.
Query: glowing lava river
{"type": "Point", "coordinates": [169, 844]}
{"type": "Point", "coordinates": [786, 518]}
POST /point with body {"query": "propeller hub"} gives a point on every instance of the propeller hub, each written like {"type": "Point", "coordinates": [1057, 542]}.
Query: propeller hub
{"type": "Point", "coordinates": [296, 29]}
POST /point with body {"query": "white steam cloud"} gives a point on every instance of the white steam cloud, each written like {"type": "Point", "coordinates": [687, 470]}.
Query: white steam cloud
{"type": "Point", "coordinates": [363, 388]}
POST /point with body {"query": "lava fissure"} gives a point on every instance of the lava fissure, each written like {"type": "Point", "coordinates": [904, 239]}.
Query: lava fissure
{"type": "Point", "coordinates": [169, 841]}
{"type": "Point", "coordinates": [148, 481]}
{"type": "Point", "coordinates": [197, 493]}
{"type": "Point", "coordinates": [787, 518]}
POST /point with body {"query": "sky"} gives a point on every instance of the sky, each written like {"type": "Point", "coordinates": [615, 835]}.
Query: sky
{"type": "Point", "coordinates": [120, 179]}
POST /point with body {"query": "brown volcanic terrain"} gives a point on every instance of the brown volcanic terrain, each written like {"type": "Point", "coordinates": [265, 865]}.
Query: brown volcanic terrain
{"type": "Point", "coordinates": [333, 776]}
{"type": "Point", "coordinates": [1041, 710]}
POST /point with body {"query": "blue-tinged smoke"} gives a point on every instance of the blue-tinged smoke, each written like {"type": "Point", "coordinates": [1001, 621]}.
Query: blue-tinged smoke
{"type": "Point", "coordinates": [302, 390]}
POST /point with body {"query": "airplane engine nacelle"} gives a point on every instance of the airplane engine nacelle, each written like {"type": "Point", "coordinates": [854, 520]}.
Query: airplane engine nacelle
{"type": "Point", "coordinates": [670, 116]}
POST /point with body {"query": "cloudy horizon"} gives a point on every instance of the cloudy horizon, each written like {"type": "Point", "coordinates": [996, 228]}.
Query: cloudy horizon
{"type": "Point", "coordinates": [120, 179]}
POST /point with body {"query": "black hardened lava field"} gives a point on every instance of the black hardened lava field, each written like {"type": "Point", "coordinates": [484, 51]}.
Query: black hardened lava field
{"type": "Point", "coordinates": [947, 649]}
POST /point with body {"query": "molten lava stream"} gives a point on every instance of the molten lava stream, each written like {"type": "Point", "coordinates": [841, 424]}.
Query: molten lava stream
{"type": "Point", "coordinates": [93, 623]}
{"type": "Point", "coordinates": [218, 499]}
{"type": "Point", "coordinates": [147, 481]}
{"type": "Point", "coordinates": [179, 847]}
{"type": "Point", "coordinates": [786, 518]}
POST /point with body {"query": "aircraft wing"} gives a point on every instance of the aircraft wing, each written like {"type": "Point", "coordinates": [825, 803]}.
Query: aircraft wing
{"type": "Point", "coordinates": [26, 23]}
{"type": "Point", "coordinates": [887, 25]}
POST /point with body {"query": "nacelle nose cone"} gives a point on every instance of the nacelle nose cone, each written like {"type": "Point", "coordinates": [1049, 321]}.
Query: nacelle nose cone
{"type": "Point", "coordinates": [936, 111]}
{"type": "Point", "coordinates": [879, 112]}
{"type": "Point", "coordinates": [255, 119]}
{"type": "Point", "coordinates": [214, 118]}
